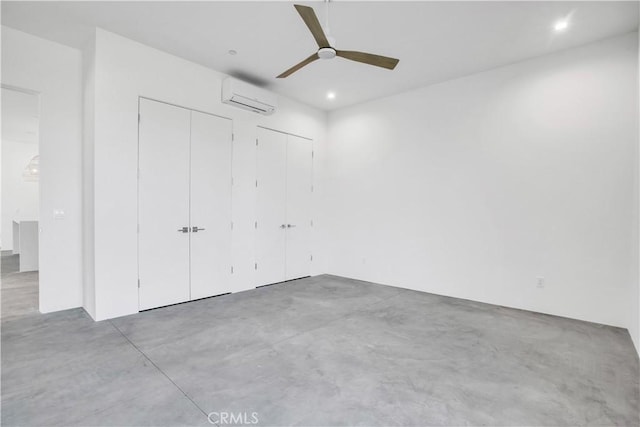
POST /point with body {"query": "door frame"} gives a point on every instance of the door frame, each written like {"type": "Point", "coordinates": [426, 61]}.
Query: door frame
{"type": "Point", "coordinates": [287, 133]}
{"type": "Point", "coordinates": [41, 253]}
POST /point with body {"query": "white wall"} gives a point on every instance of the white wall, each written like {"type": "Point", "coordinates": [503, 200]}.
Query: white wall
{"type": "Point", "coordinates": [88, 213]}
{"type": "Point", "coordinates": [474, 187]}
{"type": "Point", "coordinates": [125, 70]}
{"type": "Point", "coordinates": [634, 327]}
{"type": "Point", "coordinates": [19, 197]}
{"type": "Point", "coordinates": [636, 309]}
{"type": "Point", "coordinates": [54, 71]}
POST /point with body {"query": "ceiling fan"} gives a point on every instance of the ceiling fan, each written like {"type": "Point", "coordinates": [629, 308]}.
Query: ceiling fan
{"type": "Point", "coordinates": [326, 51]}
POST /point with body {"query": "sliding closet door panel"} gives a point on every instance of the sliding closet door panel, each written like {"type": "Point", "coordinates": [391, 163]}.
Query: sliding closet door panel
{"type": "Point", "coordinates": [163, 204]}
{"type": "Point", "coordinates": [298, 263]}
{"type": "Point", "coordinates": [210, 205]}
{"type": "Point", "coordinates": [271, 206]}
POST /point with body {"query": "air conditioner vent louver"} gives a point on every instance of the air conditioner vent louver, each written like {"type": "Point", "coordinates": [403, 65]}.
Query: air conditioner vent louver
{"type": "Point", "coordinates": [242, 102]}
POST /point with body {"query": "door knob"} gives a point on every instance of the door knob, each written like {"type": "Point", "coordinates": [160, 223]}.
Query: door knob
{"type": "Point", "coordinates": [290, 225]}
{"type": "Point", "coordinates": [283, 226]}
{"type": "Point", "coordinates": [195, 229]}
{"type": "Point", "coordinates": [183, 230]}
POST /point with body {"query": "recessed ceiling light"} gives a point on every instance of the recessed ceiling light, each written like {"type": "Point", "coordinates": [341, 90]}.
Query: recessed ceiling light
{"type": "Point", "coordinates": [561, 25]}
{"type": "Point", "coordinates": [331, 95]}
{"type": "Point", "coordinates": [232, 52]}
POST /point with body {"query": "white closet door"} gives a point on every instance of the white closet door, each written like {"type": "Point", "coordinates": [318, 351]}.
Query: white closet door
{"type": "Point", "coordinates": [271, 206]}
{"type": "Point", "coordinates": [163, 204]}
{"type": "Point", "coordinates": [298, 241]}
{"type": "Point", "coordinates": [210, 205]}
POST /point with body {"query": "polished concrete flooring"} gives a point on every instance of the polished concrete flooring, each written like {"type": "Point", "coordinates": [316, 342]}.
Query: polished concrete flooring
{"type": "Point", "coordinates": [322, 351]}
{"type": "Point", "coordinates": [19, 291]}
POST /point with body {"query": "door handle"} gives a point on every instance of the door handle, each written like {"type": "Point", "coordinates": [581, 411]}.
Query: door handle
{"type": "Point", "coordinates": [195, 229]}
{"type": "Point", "coordinates": [183, 230]}
{"type": "Point", "coordinates": [290, 225]}
{"type": "Point", "coordinates": [283, 226]}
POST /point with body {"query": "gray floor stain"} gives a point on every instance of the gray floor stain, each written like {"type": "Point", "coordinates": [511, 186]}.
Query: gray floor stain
{"type": "Point", "coordinates": [322, 351]}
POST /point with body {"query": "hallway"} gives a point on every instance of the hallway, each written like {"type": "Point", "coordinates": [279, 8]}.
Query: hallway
{"type": "Point", "coordinates": [19, 291]}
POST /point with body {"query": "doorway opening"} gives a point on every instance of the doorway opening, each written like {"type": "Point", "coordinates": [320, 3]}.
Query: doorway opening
{"type": "Point", "coordinates": [20, 202]}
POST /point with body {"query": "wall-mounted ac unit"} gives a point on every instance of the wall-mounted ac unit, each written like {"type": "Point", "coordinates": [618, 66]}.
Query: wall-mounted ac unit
{"type": "Point", "coordinates": [248, 97]}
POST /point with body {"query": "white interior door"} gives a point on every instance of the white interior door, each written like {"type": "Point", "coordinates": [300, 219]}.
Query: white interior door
{"type": "Point", "coordinates": [210, 205]}
{"type": "Point", "coordinates": [271, 175]}
{"type": "Point", "coordinates": [163, 204]}
{"type": "Point", "coordinates": [299, 181]}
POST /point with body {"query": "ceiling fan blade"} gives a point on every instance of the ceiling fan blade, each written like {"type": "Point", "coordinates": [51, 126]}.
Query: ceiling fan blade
{"type": "Point", "coordinates": [296, 67]}
{"type": "Point", "coordinates": [309, 17]}
{"type": "Point", "coordinates": [368, 58]}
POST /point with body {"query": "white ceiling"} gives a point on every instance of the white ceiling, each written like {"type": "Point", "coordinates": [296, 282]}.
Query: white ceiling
{"type": "Point", "coordinates": [435, 41]}
{"type": "Point", "coordinates": [19, 116]}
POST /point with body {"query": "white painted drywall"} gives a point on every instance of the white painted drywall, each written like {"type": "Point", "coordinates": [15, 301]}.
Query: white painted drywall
{"type": "Point", "coordinates": [19, 197]}
{"type": "Point", "coordinates": [125, 70]}
{"type": "Point", "coordinates": [475, 187]}
{"type": "Point", "coordinates": [88, 131]}
{"type": "Point", "coordinates": [636, 308]}
{"type": "Point", "coordinates": [54, 71]}
{"type": "Point", "coordinates": [634, 326]}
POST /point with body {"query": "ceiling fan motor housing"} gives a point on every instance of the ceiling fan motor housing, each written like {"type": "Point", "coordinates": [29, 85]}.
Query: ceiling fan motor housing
{"type": "Point", "coordinates": [326, 53]}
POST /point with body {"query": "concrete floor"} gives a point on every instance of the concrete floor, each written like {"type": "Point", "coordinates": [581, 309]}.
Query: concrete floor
{"type": "Point", "coordinates": [19, 291]}
{"type": "Point", "coordinates": [320, 351]}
